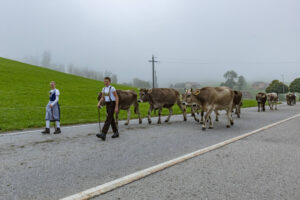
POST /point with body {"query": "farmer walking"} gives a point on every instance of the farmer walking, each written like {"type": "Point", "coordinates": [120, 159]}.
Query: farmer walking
{"type": "Point", "coordinates": [53, 110]}
{"type": "Point", "coordinates": [109, 95]}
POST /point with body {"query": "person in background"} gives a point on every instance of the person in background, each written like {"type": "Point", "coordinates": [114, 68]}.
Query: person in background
{"type": "Point", "coordinates": [53, 110]}
{"type": "Point", "coordinates": [109, 95]}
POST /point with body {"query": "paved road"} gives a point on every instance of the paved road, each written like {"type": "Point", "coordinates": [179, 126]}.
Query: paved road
{"type": "Point", "coordinates": [34, 166]}
{"type": "Point", "coordinates": [262, 166]}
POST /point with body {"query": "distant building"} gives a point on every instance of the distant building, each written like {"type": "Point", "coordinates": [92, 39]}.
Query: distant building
{"type": "Point", "coordinates": [246, 95]}
{"type": "Point", "coordinates": [186, 85]}
{"type": "Point", "coordinates": [259, 85]}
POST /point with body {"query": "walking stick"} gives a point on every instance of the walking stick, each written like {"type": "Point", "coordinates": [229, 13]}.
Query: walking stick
{"type": "Point", "coordinates": [99, 120]}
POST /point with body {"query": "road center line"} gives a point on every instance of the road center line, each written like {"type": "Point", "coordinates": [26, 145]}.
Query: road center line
{"type": "Point", "coordinates": [106, 187]}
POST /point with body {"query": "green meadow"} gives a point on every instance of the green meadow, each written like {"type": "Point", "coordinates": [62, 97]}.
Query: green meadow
{"type": "Point", "coordinates": [24, 93]}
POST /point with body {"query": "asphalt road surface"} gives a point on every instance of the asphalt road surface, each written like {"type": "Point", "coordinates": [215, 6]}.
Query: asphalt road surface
{"type": "Point", "coordinates": [263, 166]}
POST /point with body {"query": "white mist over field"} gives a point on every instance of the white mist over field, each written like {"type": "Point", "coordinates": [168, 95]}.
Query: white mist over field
{"type": "Point", "coordinates": [193, 40]}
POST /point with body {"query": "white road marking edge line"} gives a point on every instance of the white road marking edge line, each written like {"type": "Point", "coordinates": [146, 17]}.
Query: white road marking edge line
{"type": "Point", "coordinates": [106, 187]}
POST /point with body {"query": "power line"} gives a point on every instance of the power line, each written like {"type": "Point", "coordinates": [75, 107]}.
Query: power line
{"type": "Point", "coordinates": [191, 62]}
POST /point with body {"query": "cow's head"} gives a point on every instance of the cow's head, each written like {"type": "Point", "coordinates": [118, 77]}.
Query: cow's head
{"type": "Point", "coordinates": [261, 97]}
{"type": "Point", "coordinates": [144, 95]}
{"type": "Point", "coordinates": [188, 97]}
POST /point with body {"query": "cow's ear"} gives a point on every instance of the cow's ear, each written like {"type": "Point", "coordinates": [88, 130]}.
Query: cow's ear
{"type": "Point", "coordinates": [196, 92]}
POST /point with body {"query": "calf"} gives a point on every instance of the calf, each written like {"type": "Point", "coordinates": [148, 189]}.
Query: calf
{"type": "Point", "coordinates": [127, 98]}
{"type": "Point", "coordinates": [261, 99]}
{"type": "Point", "coordinates": [272, 100]}
{"type": "Point", "coordinates": [160, 98]}
{"type": "Point", "coordinates": [290, 99]}
{"type": "Point", "coordinates": [237, 102]}
{"type": "Point", "coordinates": [212, 99]}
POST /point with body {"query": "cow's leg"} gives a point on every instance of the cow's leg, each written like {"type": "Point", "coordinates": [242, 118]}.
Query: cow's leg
{"type": "Point", "coordinates": [217, 115]}
{"type": "Point", "coordinates": [263, 105]}
{"type": "Point", "coordinates": [211, 125]}
{"type": "Point", "coordinates": [275, 105]}
{"type": "Point", "coordinates": [269, 105]}
{"type": "Point", "coordinates": [170, 114]}
{"type": "Point", "coordinates": [128, 116]}
{"type": "Point", "coordinates": [159, 114]}
{"type": "Point", "coordinates": [229, 117]}
{"type": "Point", "coordinates": [207, 115]}
{"type": "Point", "coordinates": [194, 112]}
{"type": "Point", "coordinates": [258, 106]}
{"type": "Point", "coordinates": [137, 111]}
{"type": "Point", "coordinates": [238, 111]}
{"type": "Point", "coordinates": [149, 114]}
{"type": "Point", "coordinates": [182, 109]}
{"type": "Point", "coordinates": [202, 117]}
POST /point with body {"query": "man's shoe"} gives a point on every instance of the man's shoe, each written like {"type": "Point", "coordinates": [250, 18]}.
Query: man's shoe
{"type": "Point", "coordinates": [46, 131]}
{"type": "Point", "coordinates": [102, 136]}
{"type": "Point", "coordinates": [57, 131]}
{"type": "Point", "coordinates": [115, 135]}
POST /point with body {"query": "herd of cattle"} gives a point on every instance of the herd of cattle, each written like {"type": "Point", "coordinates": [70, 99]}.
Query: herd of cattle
{"type": "Point", "coordinates": [205, 101]}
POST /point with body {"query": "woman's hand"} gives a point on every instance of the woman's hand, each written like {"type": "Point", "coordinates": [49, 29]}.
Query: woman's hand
{"type": "Point", "coordinates": [116, 109]}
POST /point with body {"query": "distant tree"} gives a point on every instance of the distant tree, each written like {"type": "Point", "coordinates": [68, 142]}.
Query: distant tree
{"type": "Point", "coordinates": [127, 83]}
{"type": "Point", "coordinates": [140, 83]}
{"type": "Point", "coordinates": [46, 59]}
{"type": "Point", "coordinates": [241, 83]}
{"type": "Point", "coordinates": [61, 68]}
{"type": "Point", "coordinates": [114, 78]}
{"type": "Point", "coordinates": [295, 85]}
{"type": "Point", "coordinates": [230, 77]}
{"type": "Point", "coordinates": [107, 73]}
{"type": "Point", "coordinates": [179, 85]}
{"type": "Point", "coordinates": [71, 68]}
{"type": "Point", "coordinates": [277, 87]}
{"type": "Point", "coordinates": [31, 60]}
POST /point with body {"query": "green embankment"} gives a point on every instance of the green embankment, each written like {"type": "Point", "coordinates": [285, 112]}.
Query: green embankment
{"type": "Point", "coordinates": [24, 93]}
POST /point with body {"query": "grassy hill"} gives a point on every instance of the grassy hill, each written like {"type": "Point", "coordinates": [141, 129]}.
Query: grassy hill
{"type": "Point", "coordinates": [24, 93]}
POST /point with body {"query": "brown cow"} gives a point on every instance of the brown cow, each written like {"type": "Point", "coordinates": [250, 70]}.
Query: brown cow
{"type": "Point", "coordinates": [127, 98]}
{"type": "Point", "coordinates": [160, 98]}
{"type": "Point", "coordinates": [261, 99]}
{"type": "Point", "coordinates": [195, 108]}
{"type": "Point", "coordinates": [272, 99]}
{"type": "Point", "coordinates": [237, 102]}
{"type": "Point", "coordinates": [290, 99]}
{"type": "Point", "coordinates": [211, 99]}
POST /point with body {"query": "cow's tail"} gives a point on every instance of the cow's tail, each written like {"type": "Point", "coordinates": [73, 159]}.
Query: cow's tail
{"type": "Point", "coordinates": [136, 107]}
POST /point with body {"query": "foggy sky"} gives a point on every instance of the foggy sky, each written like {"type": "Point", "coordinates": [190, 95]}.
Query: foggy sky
{"type": "Point", "coordinates": [194, 40]}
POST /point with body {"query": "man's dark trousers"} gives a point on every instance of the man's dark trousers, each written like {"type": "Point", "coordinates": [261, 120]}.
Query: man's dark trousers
{"type": "Point", "coordinates": [110, 120]}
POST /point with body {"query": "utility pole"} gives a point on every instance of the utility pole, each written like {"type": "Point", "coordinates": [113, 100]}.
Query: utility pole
{"type": "Point", "coordinates": [153, 69]}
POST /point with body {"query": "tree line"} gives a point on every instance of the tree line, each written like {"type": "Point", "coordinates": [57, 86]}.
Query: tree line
{"type": "Point", "coordinates": [46, 61]}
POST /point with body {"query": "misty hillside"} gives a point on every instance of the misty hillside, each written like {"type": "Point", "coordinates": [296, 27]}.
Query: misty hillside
{"type": "Point", "coordinates": [24, 94]}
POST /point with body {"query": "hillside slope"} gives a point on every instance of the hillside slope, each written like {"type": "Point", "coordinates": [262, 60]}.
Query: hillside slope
{"type": "Point", "coordinates": [24, 94]}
